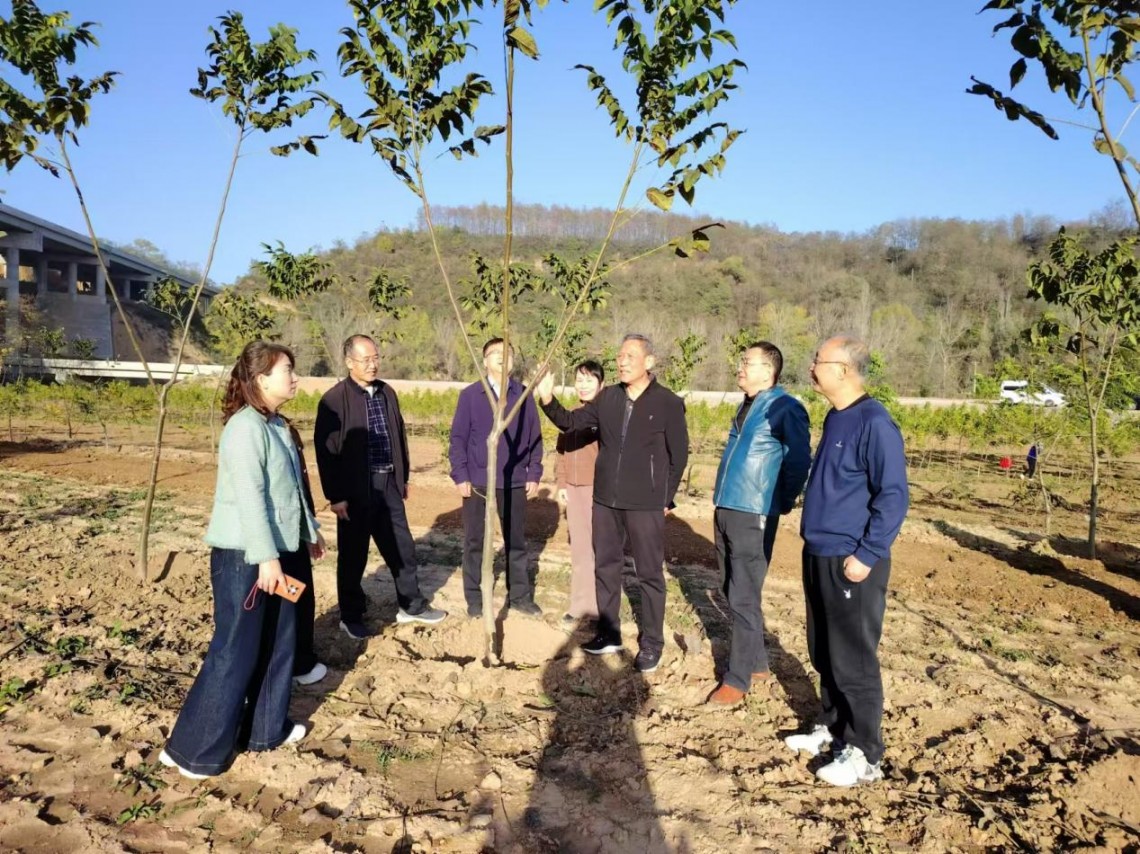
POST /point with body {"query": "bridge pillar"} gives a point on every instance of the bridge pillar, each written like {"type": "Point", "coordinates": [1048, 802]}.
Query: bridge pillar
{"type": "Point", "coordinates": [12, 284]}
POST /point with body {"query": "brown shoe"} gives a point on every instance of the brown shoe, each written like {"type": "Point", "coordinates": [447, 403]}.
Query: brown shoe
{"type": "Point", "coordinates": [725, 695]}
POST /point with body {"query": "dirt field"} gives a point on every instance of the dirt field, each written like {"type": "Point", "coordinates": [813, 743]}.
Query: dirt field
{"type": "Point", "coordinates": [1011, 668]}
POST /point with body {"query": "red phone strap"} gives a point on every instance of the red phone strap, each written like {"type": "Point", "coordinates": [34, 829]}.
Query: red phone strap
{"type": "Point", "coordinates": [251, 599]}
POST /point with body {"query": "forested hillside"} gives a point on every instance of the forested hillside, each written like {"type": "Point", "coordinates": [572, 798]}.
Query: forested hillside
{"type": "Point", "coordinates": [942, 301]}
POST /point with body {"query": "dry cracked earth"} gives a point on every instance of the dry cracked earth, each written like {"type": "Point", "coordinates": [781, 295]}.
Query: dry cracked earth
{"type": "Point", "coordinates": [1010, 666]}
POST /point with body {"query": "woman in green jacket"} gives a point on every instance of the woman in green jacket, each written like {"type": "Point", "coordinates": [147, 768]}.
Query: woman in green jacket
{"type": "Point", "coordinates": [240, 698]}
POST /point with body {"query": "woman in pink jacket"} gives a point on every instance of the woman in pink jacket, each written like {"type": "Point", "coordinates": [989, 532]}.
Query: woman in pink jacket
{"type": "Point", "coordinates": [577, 453]}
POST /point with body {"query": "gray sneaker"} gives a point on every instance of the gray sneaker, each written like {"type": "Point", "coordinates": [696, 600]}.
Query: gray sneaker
{"type": "Point", "coordinates": [356, 631]}
{"type": "Point", "coordinates": [428, 615]}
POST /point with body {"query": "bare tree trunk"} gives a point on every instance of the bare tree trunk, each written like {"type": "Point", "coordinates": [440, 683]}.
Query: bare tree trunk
{"type": "Point", "coordinates": [487, 567]}
{"type": "Point", "coordinates": [164, 390]}
{"type": "Point", "coordinates": [1093, 489]}
{"type": "Point", "coordinates": [143, 563]}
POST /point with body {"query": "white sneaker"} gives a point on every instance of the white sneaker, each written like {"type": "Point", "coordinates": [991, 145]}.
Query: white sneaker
{"type": "Point", "coordinates": [318, 673]}
{"type": "Point", "coordinates": [166, 760]}
{"type": "Point", "coordinates": [296, 735]}
{"type": "Point", "coordinates": [850, 768]}
{"type": "Point", "coordinates": [811, 742]}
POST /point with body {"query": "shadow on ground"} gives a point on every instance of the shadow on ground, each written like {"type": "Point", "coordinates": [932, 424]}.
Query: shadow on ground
{"type": "Point", "coordinates": [1026, 560]}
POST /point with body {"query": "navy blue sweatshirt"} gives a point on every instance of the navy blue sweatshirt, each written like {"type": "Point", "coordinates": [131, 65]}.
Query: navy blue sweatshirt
{"type": "Point", "coordinates": [857, 496]}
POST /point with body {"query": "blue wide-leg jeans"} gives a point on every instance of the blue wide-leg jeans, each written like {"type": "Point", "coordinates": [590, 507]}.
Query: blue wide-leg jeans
{"type": "Point", "coordinates": [241, 695]}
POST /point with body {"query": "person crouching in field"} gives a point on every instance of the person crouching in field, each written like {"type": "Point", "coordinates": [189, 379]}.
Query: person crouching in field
{"type": "Point", "coordinates": [577, 454]}
{"type": "Point", "coordinates": [260, 521]}
{"type": "Point", "coordinates": [854, 506]}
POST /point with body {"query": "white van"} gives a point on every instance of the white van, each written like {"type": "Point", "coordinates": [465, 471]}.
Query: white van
{"type": "Point", "coordinates": [1017, 391]}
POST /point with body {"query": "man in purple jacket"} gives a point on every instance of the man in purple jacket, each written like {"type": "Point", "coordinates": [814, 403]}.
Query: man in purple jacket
{"type": "Point", "coordinates": [517, 473]}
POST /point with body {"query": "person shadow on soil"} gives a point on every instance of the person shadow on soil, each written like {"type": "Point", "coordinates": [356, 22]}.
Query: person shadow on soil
{"type": "Point", "coordinates": [703, 589]}
{"type": "Point", "coordinates": [591, 791]}
{"type": "Point", "coordinates": [542, 518]}
{"type": "Point", "coordinates": [335, 650]}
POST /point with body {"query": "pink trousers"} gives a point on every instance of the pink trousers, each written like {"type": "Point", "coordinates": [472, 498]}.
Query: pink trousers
{"type": "Point", "coordinates": [579, 518]}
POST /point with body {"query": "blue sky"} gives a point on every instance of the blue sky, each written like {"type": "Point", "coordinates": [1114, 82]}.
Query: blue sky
{"type": "Point", "coordinates": [856, 114]}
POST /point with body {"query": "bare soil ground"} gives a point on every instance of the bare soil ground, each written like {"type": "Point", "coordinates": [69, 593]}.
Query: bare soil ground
{"type": "Point", "coordinates": [1010, 662]}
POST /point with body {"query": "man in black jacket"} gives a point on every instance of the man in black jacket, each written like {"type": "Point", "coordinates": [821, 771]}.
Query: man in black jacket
{"type": "Point", "coordinates": [362, 457]}
{"type": "Point", "coordinates": [643, 447]}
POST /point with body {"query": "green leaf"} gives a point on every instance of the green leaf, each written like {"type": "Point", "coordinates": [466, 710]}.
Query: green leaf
{"type": "Point", "coordinates": [1016, 72]}
{"type": "Point", "coordinates": [662, 199]}
{"type": "Point", "coordinates": [522, 40]}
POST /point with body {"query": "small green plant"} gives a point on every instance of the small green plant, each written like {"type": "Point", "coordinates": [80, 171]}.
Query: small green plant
{"type": "Point", "coordinates": [71, 646]}
{"type": "Point", "coordinates": [15, 690]}
{"type": "Point", "coordinates": [83, 348]}
{"type": "Point", "coordinates": [132, 692]}
{"type": "Point", "coordinates": [138, 811]}
{"type": "Point", "coordinates": [387, 753]}
{"type": "Point", "coordinates": [143, 778]}
{"type": "Point", "coordinates": [1005, 652]}
{"type": "Point", "coordinates": [127, 637]}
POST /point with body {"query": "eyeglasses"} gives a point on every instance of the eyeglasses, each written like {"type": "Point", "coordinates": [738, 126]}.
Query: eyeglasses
{"type": "Point", "coordinates": [371, 360]}
{"type": "Point", "coordinates": [830, 362]}
{"type": "Point", "coordinates": [752, 363]}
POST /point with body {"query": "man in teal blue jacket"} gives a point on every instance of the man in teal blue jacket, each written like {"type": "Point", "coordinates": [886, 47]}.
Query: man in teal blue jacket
{"type": "Point", "coordinates": [762, 471]}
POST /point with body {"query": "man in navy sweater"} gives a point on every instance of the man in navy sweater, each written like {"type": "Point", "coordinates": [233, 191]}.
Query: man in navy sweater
{"type": "Point", "coordinates": [854, 506]}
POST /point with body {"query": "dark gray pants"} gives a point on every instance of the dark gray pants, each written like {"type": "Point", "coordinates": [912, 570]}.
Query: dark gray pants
{"type": "Point", "coordinates": [844, 624]}
{"type": "Point", "coordinates": [511, 506]}
{"type": "Point", "coordinates": [646, 532]}
{"type": "Point", "coordinates": [744, 550]}
{"type": "Point", "coordinates": [385, 522]}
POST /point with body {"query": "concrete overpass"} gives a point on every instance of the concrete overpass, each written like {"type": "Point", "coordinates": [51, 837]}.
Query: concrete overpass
{"type": "Point", "coordinates": [51, 278]}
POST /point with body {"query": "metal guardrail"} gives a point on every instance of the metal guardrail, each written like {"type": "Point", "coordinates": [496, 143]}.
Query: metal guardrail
{"type": "Point", "coordinates": [62, 369]}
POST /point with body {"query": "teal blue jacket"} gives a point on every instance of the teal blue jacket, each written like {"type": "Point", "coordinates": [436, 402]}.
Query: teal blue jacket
{"type": "Point", "coordinates": [766, 461]}
{"type": "Point", "coordinates": [259, 504]}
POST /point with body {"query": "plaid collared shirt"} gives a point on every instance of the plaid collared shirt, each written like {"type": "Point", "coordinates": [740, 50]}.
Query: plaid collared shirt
{"type": "Point", "coordinates": [379, 438]}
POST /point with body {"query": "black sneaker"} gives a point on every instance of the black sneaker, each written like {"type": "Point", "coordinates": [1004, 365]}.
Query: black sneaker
{"type": "Point", "coordinates": [528, 607]}
{"type": "Point", "coordinates": [356, 631]}
{"type": "Point", "coordinates": [647, 660]}
{"type": "Point", "coordinates": [602, 645]}
{"type": "Point", "coordinates": [474, 611]}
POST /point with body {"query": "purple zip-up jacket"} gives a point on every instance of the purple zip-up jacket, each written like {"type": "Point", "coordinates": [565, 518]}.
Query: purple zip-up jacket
{"type": "Point", "coordinates": [520, 445]}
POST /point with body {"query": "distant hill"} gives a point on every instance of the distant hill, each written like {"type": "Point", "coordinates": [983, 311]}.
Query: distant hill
{"type": "Point", "coordinates": [940, 300]}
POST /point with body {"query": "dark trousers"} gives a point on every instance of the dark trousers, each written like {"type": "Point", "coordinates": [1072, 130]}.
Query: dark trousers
{"type": "Point", "coordinates": [299, 565]}
{"type": "Point", "coordinates": [844, 624]}
{"type": "Point", "coordinates": [511, 506]}
{"type": "Point", "coordinates": [241, 694]}
{"type": "Point", "coordinates": [645, 530]}
{"type": "Point", "coordinates": [385, 522]}
{"type": "Point", "coordinates": [743, 551]}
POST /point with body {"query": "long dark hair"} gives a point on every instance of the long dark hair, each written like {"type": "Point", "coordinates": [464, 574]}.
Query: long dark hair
{"type": "Point", "coordinates": [256, 360]}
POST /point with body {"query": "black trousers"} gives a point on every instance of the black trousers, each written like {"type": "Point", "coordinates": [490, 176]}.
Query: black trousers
{"type": "Point", "coordinates": [385, 522]}
{"type": "Point", "coordinates": [844, 624]}
{"type": "Point", "coordinates": [299, 565]}
{"type": "Point", "coordinates": [645, 530]}
{"type": "Point", "coordinates": [511, 507]}
{"type": "Point", "coordinates": [743, 551]}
